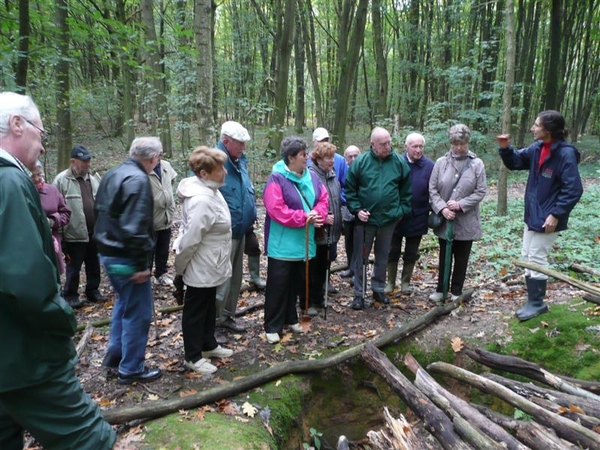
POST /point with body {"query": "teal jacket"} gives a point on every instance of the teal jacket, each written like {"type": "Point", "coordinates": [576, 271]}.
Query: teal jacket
{"type": "Point", "coordinates": [380, 186]}
{"type": "Point", "coordinates": [36, 324]}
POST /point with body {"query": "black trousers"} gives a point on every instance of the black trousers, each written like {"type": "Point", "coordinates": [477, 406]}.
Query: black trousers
{"type": "Point", "coordinates": [411, 248]}
{"type": "Point", "coordinates": [349, 241]}
{"type": "Point", "coordinates": [198, 322]}
{"type": "Point", "coordinates": [283, 278]}
{"type": "Point", "coordinates": [161, 251]}
{"type": "Point", "coordinates": [461, 250]}
{"type": "Point", "coordinates": [77, 254]}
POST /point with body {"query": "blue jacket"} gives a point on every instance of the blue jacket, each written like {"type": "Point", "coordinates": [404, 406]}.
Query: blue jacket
{"type": "Point", "coordinates": [238, 192]}
{"type": "Point", "coordinates": [554, 189]}
{"type": "Point", "coordinates": [415, 222]}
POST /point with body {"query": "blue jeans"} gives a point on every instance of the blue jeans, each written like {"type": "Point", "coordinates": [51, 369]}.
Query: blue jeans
{"type": "Point", "coordinates": [132, 314]}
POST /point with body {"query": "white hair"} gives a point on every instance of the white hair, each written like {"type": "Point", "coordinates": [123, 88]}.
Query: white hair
{"type": "Point", "coordinates": [145, 147]}
{"type": "Point", "coordinates": [13, 104]}
{"type": "Point", "coordinates": [412, 136]}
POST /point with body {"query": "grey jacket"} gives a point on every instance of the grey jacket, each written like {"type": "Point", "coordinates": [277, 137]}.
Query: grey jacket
{"type": "Point", "coordinates": [469, 192]}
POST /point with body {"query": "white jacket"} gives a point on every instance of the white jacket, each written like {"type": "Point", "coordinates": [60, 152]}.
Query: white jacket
{"type": "Point", "coordinates": [203, 247]}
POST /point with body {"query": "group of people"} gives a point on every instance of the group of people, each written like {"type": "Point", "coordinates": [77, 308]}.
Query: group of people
{"type": "Point", "coordinates": [376, 199]}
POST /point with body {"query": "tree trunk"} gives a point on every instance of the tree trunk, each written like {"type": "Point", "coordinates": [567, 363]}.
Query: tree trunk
{"type": "Point", "coordinates": [299, 58]}
{"type": "Point", "coordinates": [287, 23]}
{"type": "Point", "coordinates": [434, 420]}
{"type": "Point", "coordinates": [564, 428]}
{"type": "Point", "coordinates": [204, 42]}
{"type": "Point", "coordinates": [381, 77]}
{"type": "Point", "coordinates": [63, 104]}
{"type": "Point", "coordinates": [553, 68]}
{"type": "Point", "coordinates": [509, 79]}
{"type": "Point", "coordinates": [349, 58]}
{"type": "Point", "coordinates": [23, 54]}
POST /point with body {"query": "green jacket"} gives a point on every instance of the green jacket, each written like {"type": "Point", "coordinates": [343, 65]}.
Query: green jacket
{"type": "Point", "coordinates": [76, 230]}
{"type": "Point", "coordinates": [380, 186]}
{"type": "Point", "coordinates": [36, 324]}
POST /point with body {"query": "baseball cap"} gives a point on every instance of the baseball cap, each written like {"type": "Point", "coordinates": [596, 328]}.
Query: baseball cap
{"type": "Point", "coordinates": [235, 131]}
{"type": "Point", "coordinates": [320, 134]}
{"type": "Point", "coordinates": [81, 153]}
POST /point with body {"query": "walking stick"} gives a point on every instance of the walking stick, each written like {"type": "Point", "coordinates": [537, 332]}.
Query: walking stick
{"type": "Point", "coordinates": [365, 262]}
{"type": "Point", "coordinates": [305, 316]}
{"type": "Point", "coordinates": [448, 260]}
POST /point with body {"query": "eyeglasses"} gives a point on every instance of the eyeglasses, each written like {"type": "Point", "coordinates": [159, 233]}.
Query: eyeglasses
{"type": "Point", "coordinates": [43, 133]}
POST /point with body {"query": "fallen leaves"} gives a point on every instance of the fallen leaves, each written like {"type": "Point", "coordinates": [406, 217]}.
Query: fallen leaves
{"type": "Point", "coordinates": [457, 344]}
{"type": "Point", "coordinates": [249, 410]}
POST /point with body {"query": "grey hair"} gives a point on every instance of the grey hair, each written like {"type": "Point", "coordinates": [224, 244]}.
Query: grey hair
{"type": "Point", "coordinates": [145, 147]}
{"type": "Point", "coordinates": [459, 134]}
{"type": "Point", "coordinates": [12, 104]}
{"type": "Point", "coordinates": [291, 146]}
{"type": "Point", "coordinates": [412, 136]}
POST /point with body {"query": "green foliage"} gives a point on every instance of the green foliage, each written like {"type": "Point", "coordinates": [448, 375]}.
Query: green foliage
{"type": "Point", "coordinates": [558, 341]}
{"type": "Point", "coordinates": [315, 437]}
{"type": "Point", "coordinates": [521, 415]}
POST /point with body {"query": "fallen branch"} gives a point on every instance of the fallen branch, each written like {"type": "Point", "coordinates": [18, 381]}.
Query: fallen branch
{"type": "Point", "coordinates": [531, 434]}
{"type": "Point", "coordinates": [564, 428]}
{"type": "Point", "coordinates": [531, 370]}
{"type": "Point", "coordinates": [163, 407]}
{"type": "Point", "coordinates": [450, 403]}
{"type": "Point", "coordinates": [434, 419]}
{"type": "Point", "coordinates": [559, 276]}
{"type": "Point", "coordinates": [592, 298]}
{"type": "Point", "coordinates": [83, 342]}
{"type": "Point", "coordinates": [572, 413]}
{"type": "Point", "coordinates": [584, 269]}
{"type": "Point", "coordinates": [399, 437]}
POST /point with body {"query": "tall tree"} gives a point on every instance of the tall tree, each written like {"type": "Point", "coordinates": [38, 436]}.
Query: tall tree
{"type": "Point", "coordinates": [23, 55]}
{"type": "Point", "coordinates": [203, 23]}
{"type": "Point", "coordinates": [63, 103]}
{"type": "Point", "coordinates": [553, 72]}
{"type": "Point", "coordinates": [381, 91]}
{"type": "Point", "coordinates": [352, 32]}
{"type": "Point", "coordinates": [299, 58]}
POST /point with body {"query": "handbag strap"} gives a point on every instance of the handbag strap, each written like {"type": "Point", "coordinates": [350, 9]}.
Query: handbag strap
{"type": "Point", "coordinates": [467, 164]}
{"type": "Point", "coordinates": [297, 186]}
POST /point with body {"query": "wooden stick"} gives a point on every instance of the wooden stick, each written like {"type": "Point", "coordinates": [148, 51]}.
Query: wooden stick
{"type": "Point", "coordinates": [559, 276]}
{"type": "Point", "coordinates": [83, 342]}
{"type": "Point", "coordinates": [584, 269]}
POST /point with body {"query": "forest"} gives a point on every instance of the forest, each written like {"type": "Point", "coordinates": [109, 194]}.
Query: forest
{"type": "Point", "coordinates": [179, 68]}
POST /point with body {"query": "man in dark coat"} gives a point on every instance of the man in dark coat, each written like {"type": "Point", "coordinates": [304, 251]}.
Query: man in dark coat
{"type": "Point", "coordinates": [39, 391]}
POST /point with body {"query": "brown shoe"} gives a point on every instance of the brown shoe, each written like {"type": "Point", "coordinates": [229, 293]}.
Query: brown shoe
{"type": "Point", "coordinates": [232, 325]}
{"type": "Point", "coordinates": [221, 338]}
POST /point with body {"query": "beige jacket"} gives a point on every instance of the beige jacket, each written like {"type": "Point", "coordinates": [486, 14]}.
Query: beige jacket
{"type": "Point", "coordinates": [469, 193]}
{"type": "Point", "coordinates": [203, 247]}
{"type": "Point", "coordinates": [76, 230]}
{"type": "Point", "coordinates": [162, 193]}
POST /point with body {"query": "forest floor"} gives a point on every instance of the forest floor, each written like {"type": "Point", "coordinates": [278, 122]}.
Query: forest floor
{"type": "Point", "coordinates": [482, 320]}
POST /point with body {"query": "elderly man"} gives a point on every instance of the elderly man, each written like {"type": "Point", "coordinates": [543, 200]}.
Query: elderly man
{"type": "Point", "coordinates": [413, 226]}
{"type": "Point", "coordinates": [350, 154]}
{"type": "Point", "coordinates": [125, 236]}
{"type": "Point", "coordinates": [378, 194]}
{"type": "Point", "coordinates": [79, 187]}
{"type": "Point", "coordinates": [162, 179]}
{"type": "Point", "coordinates": [39, 390]}
{"type": "Point", "coordinates": [239, 195]}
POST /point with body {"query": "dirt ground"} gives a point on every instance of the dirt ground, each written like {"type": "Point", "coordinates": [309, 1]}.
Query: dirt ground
{"type": "Point", "coordinates": [483, 319]}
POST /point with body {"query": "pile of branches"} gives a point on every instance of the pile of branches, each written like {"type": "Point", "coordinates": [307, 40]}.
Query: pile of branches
{"type": "Point", "coordinates": [565, 415]}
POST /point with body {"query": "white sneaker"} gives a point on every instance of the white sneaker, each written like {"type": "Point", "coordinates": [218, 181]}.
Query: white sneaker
{"type": "Point", "coordinates": [454, 297]}
{"type": "Point", "coordinates": [272, 338]}
{"type": "Point", "coordinates": [296, 328]}
{"type": "Point", "coordinates": [217, 352]}
{"type": "Point", "coordinates": [436, 297]}
{"type": "Point", "coordinates": [201, 366]}
{"type": "Point", "coordinates": [164, 280]}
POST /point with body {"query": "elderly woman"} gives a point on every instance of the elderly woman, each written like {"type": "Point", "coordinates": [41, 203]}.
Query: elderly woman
{"type": "Point", "coordinates": [54, 206]}
{"type": "Point", "coordinates": [553, 189]}
{"type": "Point", "coordinates": [202, 256]}
{"type": "Point", "coordinates": [456, 187]}
{"type": "Point", "coordinates": [322, 158]}
{"type": "Point", "coordinates": [296, 203]}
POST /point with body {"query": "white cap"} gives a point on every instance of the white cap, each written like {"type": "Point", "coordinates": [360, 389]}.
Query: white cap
{"type": "Point", "coordinates": [320, 134]}
{"type": "Point", "coordinates": [235, 131]}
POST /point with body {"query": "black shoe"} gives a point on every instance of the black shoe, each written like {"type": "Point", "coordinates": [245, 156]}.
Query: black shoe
{"type": "Point", "coordinates": [111, 361]}
{"type": "Point", "coordinates": [380, 297]}
{"type": "Point", "coordinates": [95, 296]}
{"type": "Point", "coordinates": [74, 302]}
{"type": "Point", "coordinates": [358, 303]}
{"type": "Point", "coordinates": [232, 325]}
{"type": "Point", "coordinates": [347, 273]}
{"type": "Point", "coordinates": [220, 338]}
{"type": "Point", "coordinates": [145, 376]}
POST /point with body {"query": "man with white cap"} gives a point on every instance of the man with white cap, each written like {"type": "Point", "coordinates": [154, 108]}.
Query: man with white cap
{"type": "Point", "coordinates": [238, 192]}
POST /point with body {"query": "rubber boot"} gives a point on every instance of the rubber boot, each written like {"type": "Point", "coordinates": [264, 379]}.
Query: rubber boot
{"type": "Point", "coordinates": [407, 271]}
{"type": "Point", "coordinates": [392, 273]}
{"type": "Point", "coordinates": [254, 267]}
{"type": "Point", "coordinates": [536, 291]}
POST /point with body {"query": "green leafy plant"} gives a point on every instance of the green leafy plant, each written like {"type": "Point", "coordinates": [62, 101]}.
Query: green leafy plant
{"type": "Point", "coordinates": [315, 437]}
{"type": "Point", "coordinates": [521, 415]}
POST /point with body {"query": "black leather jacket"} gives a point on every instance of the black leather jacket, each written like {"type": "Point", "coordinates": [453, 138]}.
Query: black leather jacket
{"type": "Point", "coordinates": [124, 214]}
